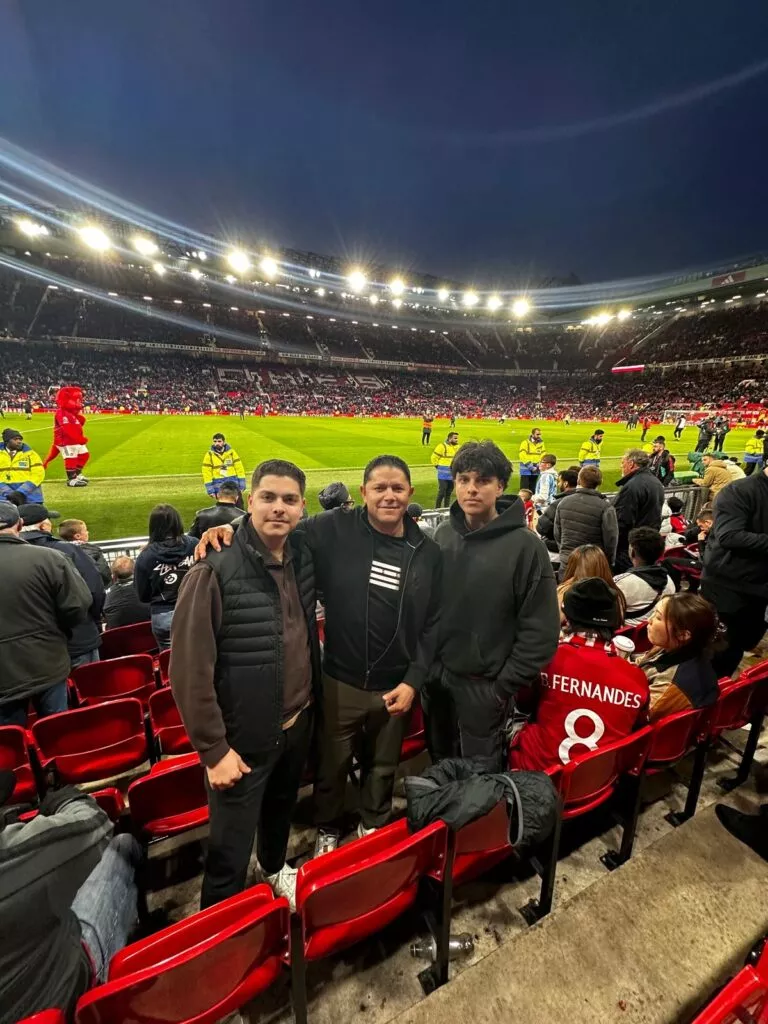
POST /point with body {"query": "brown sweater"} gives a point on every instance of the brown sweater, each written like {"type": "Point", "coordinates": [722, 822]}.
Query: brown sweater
{"type": "Point", "coordinates": [196, 623]}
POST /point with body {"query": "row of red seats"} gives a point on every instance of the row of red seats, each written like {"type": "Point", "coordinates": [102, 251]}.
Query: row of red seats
{"type": "Point", "coordinates": [744, 1000]}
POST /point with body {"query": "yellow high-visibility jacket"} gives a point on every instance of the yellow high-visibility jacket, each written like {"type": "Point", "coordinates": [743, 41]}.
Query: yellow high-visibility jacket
{"type": "Point", "coordinates": [589, 453]}
{"type": "Point", "coordinates": [21, 472]}
{"type": "Point", "coordinates": [530, 455]}
{"type": "Point", "coordinates": [754, 447]}
{"type": "Point", "coordinates": [441, 459]}
{"type": "Point", "coordinates": [221, 466]}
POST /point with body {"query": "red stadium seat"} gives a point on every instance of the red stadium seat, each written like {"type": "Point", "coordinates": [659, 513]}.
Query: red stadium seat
{"type": "Point", "coordinates": [638, 635]}
{"type": "Point", "coordinates": [758, 705]}
{"type": "Point", "coordinates": [168, 730]}
{"type": "Point", "coordinates": [414, 743]}
{"type": "Point", "coordinates": [14, 757]}
{"type": "Point", "coordinates": [482, 844]}
{"type": "Point", "coordinates": [130, 676]}
{"type": "Point", "coordinates": [136, 639]}
{"type": "Point", "coordinates": [197, 971]}
{"type": "Point", "coordinates": [163, 667]}
{"type": "Point", "coordinates": [358, 889]}
{"type": "Point", "coordinates": [585, 784]}
{"type": "Point", "coordinates": [92, 743]}
{"type": "Point", "coordinates": [111, 801]}
{"type": "Point", "coordinates": [744, 1000]}
{"type": "Point", "coordinates": [171, 799]}
{"type": "Point", "coordinates": [674, 737]}
{"type": "Point", "coordinates": [45, 1017]}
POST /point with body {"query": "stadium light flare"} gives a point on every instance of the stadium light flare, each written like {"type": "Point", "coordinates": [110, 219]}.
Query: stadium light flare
{"type": "Point", "coordinates": [201, 255]}
{"type": "Point", "coordinates": [520, 307]}
{"type": "Point", "coordinates": [397, 286]}
{"type": "Point", "coordinates": [373, 299]}
{"type": "Point", "coordinates": [144, 246]}
{"type": "Point", "coordinates": [602, 318]}
{"type": "Point", "coordinates": [95, 237]}
{"type": "Point", "coordinates": [624, 314]}
{"type": "Point", "coordinates": [320, 292]}
{"type": "Point", "coordinates": [470, 299]}
{"type": "Point", "coordinates": [269, 266]}
{"type": "Point", "coordinates": [356, 280]}
{"type": "Point", "coordinates": [230, 279]}
{"type": "Point", "coordinates": [159, 269]}
{"type": "Point", "coordinates": [197, 274]}
{"type": "Point", "coordinates": [494, 303]}
{"type": "Point", "coordinates": [31, 228]}
{"type": "Point", "coordinates": [397, 303]}
{"type": "Point", "coordinates": [239, 261]}
{"type": "Point", "coordinates": [443, 295]}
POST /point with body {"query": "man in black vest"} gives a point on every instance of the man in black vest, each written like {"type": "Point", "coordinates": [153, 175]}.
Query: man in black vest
{"type": "Point", "coordinates": [244, 662]}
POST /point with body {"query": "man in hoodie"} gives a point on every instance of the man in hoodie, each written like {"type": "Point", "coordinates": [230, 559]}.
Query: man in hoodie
{"type": "Point", "coordinates": [638, 503]}
{"type": "Point", "coordinates": [380, 580]}
{"type": "Point", "coordinates": [716, 476]}
{"type": "Point", "coordinates": [85, 638]}
{"type": "Point", "coordinates": [21, 469]}
{"type": "Point", "coordinates": [646, 582]}
{"type": "Point", "coordinates": [500, 619]}
{"type": "Point", "coordinates": [221, 462]}
{"type": "Point", "coordinates": [587, 517]}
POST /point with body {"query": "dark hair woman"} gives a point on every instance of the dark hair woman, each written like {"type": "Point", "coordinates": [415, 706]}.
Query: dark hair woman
{"type": "Point", "coordinates": [161, 567]}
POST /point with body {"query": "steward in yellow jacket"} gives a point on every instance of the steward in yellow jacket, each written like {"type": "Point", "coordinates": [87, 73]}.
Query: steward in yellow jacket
{"type": "Point", "coordinates": [21, 469]}
{"type": "Point", "coordinates": [441, 459]}
{"type": "Point", "coordinates": [754, 451]}
{"type": "Point", "coordinates": [531, 451]}
{"type": "Point", "coordinates": [589, 453]}
{"type": "Point", "coordinates": [221, 462]}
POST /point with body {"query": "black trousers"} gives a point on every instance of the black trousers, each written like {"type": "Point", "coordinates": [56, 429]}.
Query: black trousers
{"type": "Point", "coordinates": [425, 436]}
{"type": "Point", "coordinates": [749, 468]}
{"type": "Point", "coordinates": [743, 615]}
{"type": "Point", "coordinates": [262, 801]}
{"type": "Point", "coordinates": [678, 433]}
{"type": "Point", "coordinates": [645, 431]}
{"type": "Point", "coordinates": [444, 492]}
{"type": "Point", "coordinates": [529, 480]}
{"type": "Point", "coordinates": [465, 718]}
{"type": "Point", "coordinates": [702, 444]}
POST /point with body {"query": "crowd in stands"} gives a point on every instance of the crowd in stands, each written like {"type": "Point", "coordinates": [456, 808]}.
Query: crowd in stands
{"type": "Point", "coordinates": [713, 333]}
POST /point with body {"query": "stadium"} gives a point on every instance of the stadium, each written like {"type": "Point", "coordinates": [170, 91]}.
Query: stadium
{"type": "Point", "coordinates": [377, 643]}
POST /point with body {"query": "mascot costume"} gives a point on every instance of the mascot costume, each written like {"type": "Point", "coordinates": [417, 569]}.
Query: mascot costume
{"type": "Point", "coordinates": [68, 436]}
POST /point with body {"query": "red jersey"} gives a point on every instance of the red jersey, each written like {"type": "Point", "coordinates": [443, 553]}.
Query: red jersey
{"type": "Point", "coordinates": [68, 428]}
{"type": "Point", "coordinates": [589, 697]}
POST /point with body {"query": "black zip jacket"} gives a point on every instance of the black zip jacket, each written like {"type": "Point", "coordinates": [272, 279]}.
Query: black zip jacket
{"type": "Point", "coordinates": [736, 555]}
{"type": "Point", "coordinates": [342, 543]}
{"type": "Point", "coordinates": [86, 636]}
{"type": "Point", "coordinates": [500, 615]}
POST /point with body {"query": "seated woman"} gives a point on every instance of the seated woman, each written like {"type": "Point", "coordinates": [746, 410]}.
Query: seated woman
{"type": "Point", "coordinates": [587, 562]}
{"type": "Point", "coordinates": [589, 696]}
{"type": "Point", "coordinates": [682, 630]}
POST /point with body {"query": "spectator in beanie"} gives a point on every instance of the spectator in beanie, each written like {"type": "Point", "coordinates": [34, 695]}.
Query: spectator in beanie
{"type": "Point", "coordinates": [21, 469]}
{"type": "Point", "coordinates": [335, 495]}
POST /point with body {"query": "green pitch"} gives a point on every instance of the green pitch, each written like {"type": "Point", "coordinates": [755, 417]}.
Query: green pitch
{"type": "Point", "coordinates": [137, 461]}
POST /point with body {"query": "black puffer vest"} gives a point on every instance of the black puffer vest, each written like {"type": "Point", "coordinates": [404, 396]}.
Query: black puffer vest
{"type": "Point", "coordinates": [249, 669]}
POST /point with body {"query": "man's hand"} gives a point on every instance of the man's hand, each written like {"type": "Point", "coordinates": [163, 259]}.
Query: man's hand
{"type": "Point", "coordinates": [398, 701]}
{"type": "Point", "coordinates": [230, 769]}
{"type": "Point", "coordinates": [213, 538]}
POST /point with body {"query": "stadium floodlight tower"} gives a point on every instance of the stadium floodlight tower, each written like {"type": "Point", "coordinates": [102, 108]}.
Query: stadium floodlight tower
{"type": "Point", "coordinates": [239, 261]}
{"type": "Point", "coordinates": [357, 280]}
{"type": "Point", "coordinates": [269, 267]}
{"type": "Point", "coordinates": [397, 286]}
{"type": "Point", "coordinates": [521, 308]}
{"type": "Point", "coordinates": [144, 246]}
{"type": "Point", "coordinates": [470, 299]}
{"type": "Point", "coordinates": [95, 237]}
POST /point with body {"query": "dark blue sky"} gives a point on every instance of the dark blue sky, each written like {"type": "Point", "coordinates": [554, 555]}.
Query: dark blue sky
{"type": "Point", "coordinates": [418, 133]}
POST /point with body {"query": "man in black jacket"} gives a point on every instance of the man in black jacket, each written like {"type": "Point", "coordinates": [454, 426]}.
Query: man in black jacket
{"type": "Point", "coordinates": [500, 620]}
{"type": "Point", "coordinates": [244, 666]}
{"type": "Point", "coordinates": [224, 511]}
{"type": "Point", "coordinates": [380, 579]}
{"type": "Point", "coordinates": [47, 600]}
{"type": "Point", "coordinates": [661, 461]}
{"type": "Point", "coordinates": [638, 503]}
{"type": "Point", "coordinates": [735, 575]}
{"type": "Point", "coordinates": [122, 606]}
{"type": "Point", "coordinates": [85, 639]}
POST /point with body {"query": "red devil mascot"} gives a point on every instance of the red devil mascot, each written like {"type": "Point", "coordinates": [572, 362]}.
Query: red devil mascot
{"type": "Point", "coordinates": [68, 436]}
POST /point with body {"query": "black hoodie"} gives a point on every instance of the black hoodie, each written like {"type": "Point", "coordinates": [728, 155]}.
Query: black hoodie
{"type": "Point", "coordinates": [500, 617]}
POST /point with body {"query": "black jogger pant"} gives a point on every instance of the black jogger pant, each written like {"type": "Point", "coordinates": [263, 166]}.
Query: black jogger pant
{"type": "Point", "coordinates": [425, 436]}
{"type": "Point", "coordinates": [465, 717]}
{"type": "Point", "coordinates": [444, 492]}
{"type": "Point", "coordinates": [261, 802]}
{"type": "Point", "coordinates": [357, 721]}
{"type": "Point", "coordinates": [743, 615]}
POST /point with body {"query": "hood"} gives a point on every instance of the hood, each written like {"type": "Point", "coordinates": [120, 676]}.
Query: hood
{"type": "Point", "coordinates": [226, 448]}
{"type": "Point", "coordinates": [511, 517]}
{"type": "Point", "coordinates": [654, 575]}
{"type": "Point", "coordinates": [165, 549]}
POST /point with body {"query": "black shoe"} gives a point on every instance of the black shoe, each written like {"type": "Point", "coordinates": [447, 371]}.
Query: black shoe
{"type": "Point", "coordinates": [750, 829]}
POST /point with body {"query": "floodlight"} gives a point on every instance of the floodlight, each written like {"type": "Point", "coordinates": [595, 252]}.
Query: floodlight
{"type": "Point", "coordinates": [443, 295]}
{"type": "Point", "coordinates": [397, 286]}
{"type": "Point", "coordinates": [397, 303]}
{"type": "Point", "coordinates": [320, 292]}
{"type": "Point", "coordinates": [374, 299]}
{"type": "Point", "coordinates": [197, 274]}
{"type": "Point", "coordinates": [520, 307]}
{"type": "Point", "coordinates": [144, 246]}
{"type": "Point", "coordinates": [269, 266]}
{"type": "Point", "coordinates": [158, 268]}
{"type": "Point", "coordinates": [494, 302]}
{"type": "Point", "coordinates": [356, 280]}
{"type": "Point", "coordinates": [239, 261]}
{"type": "Point", "coordinates": [624, 314]}
{"type": "Point", "coordinates": [31, 228]}
{"type": "Point", "coordinates": [95, 237]}
{"type": "Point", "coordinates": [470, 299]}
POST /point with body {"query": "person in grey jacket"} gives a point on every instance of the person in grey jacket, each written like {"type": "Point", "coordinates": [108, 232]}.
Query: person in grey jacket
{"type": "Point", "coordinates": [586, 517]}
{"type": "Point", "coordinates": [500, 619]}
{"type": "Point", "coordinates": [46, 599]}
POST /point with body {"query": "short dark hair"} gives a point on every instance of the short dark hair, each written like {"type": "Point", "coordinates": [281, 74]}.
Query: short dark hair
{"type": "Point", "coordinates": [165, 525]}
{"type": "Point", "coordinates": [590, 477]}
{"type": "Point", "coordinates": [69, 528]}
{"type": "Point", "coordinates": [675, 504]}
{"type": "Point", "coordinates": [484, 458]}
{"type": "Point", "coordinates": [393, 461]}
{"type": "Point", "coordinates": [596, 432]}
{"type": "Point", "coordinates": [228, 487]}
{"type": "Point", "coordinates": [549, 460]}
{"type": "Point", "coordinates": [218, 437]}
{"type": "Point", "coordinates": [569, 476]}
{"type": "Point", "coordinates": [704, 514]}
{"type": "Point", "coordinates": [278, 467]}
{"type": "Point", "coordinates": [759, 433]}
{"type": "Point", "coordinates": [647, 543]}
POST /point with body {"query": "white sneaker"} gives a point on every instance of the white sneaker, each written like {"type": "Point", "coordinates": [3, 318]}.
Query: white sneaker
{"type": "Point", "coordinates": [326, 841]}
{"type": "Point", "coordinates": [284, 884]}
{"type": "Point", "coordinates": [77, 481]}
{"type": "Point", "coordinates": [362, 831]}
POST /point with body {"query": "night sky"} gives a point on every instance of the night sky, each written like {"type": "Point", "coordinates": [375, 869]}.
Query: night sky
{"type": "Point", "coordinates": [485, 141]}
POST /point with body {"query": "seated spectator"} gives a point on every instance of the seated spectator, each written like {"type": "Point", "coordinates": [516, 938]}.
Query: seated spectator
{"type": "Point", "coordinates": [122, 606]}
{"type": "Point", "coordinates": [677, 520]}
{"type": "Point", "coordinates": [682, 629]}
{"type": "Point", "coordinates": [161, 567]}
{"type": "Point", "coordinates": [68, 897]}
{"type": "Point", "coordinates": [76, 532]}
{"type": "Point", "coordinates": [335, 495]}
{"type": "Point", "coordinates": [416, 512]}
{"type": "Point", "coordinates": [589, 696]}
{"type": "Point", "coordinates": [229, 506]}
{"type": "Point", "coordinates": [567, 481]}
{"type": "Point", "coordinates": [646, 582]}
{"type": "Point", "coordinates": [586, 518]}
{"type": "Point", "coordinates": [526, 496]}
{"type": "Point", "coordinates": [588, 562]}
{"type": "Point", "coordinates": [733, 466]}
{"type": "Point", "coordinates": [716, 475]}
{"type": "Point", "coordinates": [699, 533]}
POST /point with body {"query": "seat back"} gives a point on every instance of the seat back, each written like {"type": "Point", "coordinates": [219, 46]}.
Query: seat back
{"type": "Point", "coordinates": [14, 757]}
{"type": "Point", "coordinates": [166, 724]}
{"type": "Point", "coordinates": [46, 1017]}
{"type": "Point", "coordinates": [163, 667]}
{"type": "Point", "coordinates": [589, 779]}
{"type": "Point", "coordinates": [359, 888]}
{"type": "Point", "coordinates": [732, 709]}
{"type": "Point", "coordinates": [676, 735]}
{"type": "Point", "coordinates": [136, 639]}
{"type": "Point", "coordinates": [744, 1000]}
{"type": "Point", "coordinates": [759, 702]}
{"type": "Point", "coordinates": [130, 676]}
{"type": "Point", "coordinates": [414, 743]}
{"type": "Point", "coordinates": [199, 970]}
{"type": "Point", "coordinates": [171, 799]}
{"type": "Point", "coordinates": [481, 844]}
{"type": "Point", "coordinates": [92, 743]}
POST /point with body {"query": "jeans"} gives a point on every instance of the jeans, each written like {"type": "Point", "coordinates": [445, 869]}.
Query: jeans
{"type": "Point", "coordinates": [161, 628]}
{"type": "Point", "coordinates": [85, 659]}
{"type": "Point", "coordinates": [49, 702]}
{"type": "Point", "coordinates": [105, 904]}
{"type": "Point", "coordinates": [261, 802]}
